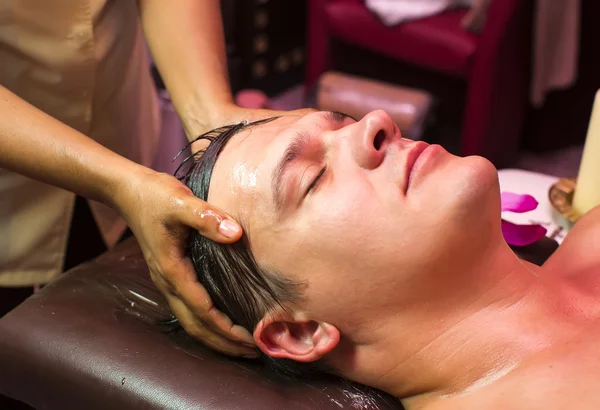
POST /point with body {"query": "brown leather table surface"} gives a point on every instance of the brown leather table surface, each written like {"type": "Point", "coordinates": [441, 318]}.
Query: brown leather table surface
{"type": "Point", "coordinates": [92, 340]}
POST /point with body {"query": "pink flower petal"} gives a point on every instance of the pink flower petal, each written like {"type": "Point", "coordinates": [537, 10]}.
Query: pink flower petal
{"type": "Point", "coordinates": [521, 235]}
{"type": "Point", "coordinates": [517, 203]}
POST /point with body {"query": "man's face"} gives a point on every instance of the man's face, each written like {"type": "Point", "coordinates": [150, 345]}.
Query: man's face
{"type": "Point", "coordinates": [367, 219]}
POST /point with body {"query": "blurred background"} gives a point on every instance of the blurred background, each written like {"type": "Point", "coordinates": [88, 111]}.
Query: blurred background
{"type": "Point", "coordinates": [512, 80]}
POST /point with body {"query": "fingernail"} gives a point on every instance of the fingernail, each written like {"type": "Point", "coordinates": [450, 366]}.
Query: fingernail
{"type": "Point", "coordinates": [229, 228]}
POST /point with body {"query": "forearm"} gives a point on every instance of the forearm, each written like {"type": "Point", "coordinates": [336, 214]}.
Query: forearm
{"type": "Point", "coordinates": [187, 43]}
{"type": "Point", "coordinates": [36, 145]}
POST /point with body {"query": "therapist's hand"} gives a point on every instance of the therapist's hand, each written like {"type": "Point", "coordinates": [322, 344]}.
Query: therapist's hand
{"type": "Point", "coordinates": [232, 114]}
{"type": "Point", "coordinates": [160, 210]}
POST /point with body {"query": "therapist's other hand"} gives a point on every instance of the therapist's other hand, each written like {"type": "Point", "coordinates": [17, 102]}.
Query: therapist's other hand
{"type": "Point", "coordinates": [233, 114]}
{"type": "Point", "coordinates": [160, 210]}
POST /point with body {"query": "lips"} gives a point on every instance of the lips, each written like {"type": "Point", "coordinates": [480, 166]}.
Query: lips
{"type": "Point", "coordinates": [411, 160]}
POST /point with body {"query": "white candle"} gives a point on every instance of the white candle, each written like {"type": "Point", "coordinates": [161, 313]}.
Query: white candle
{"type": "Point", "coordinates": [587, 191]}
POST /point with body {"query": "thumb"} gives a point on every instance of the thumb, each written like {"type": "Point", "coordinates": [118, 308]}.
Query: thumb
{"type": "Point", "coordinates": [210, 221]}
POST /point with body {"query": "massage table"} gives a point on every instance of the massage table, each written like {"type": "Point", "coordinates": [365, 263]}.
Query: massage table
{"type": "Point", "coordinates": [98, 338]}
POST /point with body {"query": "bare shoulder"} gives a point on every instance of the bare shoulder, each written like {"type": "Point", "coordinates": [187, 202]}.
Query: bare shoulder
{"type": "Point", "coordinates": [581, 248]}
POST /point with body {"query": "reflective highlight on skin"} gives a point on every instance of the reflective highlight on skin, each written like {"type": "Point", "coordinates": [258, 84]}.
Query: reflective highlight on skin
{"type": "Point", "coordinates": [211, 214]}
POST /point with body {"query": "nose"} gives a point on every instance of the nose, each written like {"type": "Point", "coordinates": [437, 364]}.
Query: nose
{"type": "Point", "coordinates": [374, 132]}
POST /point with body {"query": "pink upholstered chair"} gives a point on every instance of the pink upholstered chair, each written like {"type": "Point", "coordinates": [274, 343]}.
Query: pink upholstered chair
{"type": "Point", "coordinates": [494, 64]}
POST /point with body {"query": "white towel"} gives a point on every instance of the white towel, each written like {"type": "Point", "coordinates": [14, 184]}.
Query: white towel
{"type": "Point", "coordinates": [393, 12]}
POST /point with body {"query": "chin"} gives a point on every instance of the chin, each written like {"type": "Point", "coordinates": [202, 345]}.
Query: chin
{"type": "Point", "coordinates": [473, 204]}
{"type": "Point", "coordinates": [459, 187]}
{"type": "Point", "coordinates": [472, 183]}
{"type": "Point", "coordinates": [481, 169]}
{"type": "Point", "coordinates": [478, 187]}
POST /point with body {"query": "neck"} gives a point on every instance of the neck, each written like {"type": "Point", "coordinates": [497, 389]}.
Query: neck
{"type": "Point", "coordinates": [477, 331]}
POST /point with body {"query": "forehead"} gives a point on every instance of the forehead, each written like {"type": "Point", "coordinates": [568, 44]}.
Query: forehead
{"type": "Point", "coordinates": [240, 181]}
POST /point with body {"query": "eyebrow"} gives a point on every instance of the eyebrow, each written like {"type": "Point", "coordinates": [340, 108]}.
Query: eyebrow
{"type": "Point", "coordinates": [294, 150]}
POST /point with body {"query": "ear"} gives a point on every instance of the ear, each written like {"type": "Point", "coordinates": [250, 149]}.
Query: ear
{"type": "Point", "coordinates": [303, 341]}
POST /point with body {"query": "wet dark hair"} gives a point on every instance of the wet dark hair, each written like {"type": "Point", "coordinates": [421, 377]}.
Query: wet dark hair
{"type": "Point", "coordinates": [237, 285]}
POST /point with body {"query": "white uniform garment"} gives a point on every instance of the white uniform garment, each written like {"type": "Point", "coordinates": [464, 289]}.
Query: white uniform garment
{"type": "Point", "coordinates": [84, 63]}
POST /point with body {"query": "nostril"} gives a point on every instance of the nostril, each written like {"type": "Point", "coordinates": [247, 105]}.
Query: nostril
{"type": "Point", "coordinates": [379, 140]}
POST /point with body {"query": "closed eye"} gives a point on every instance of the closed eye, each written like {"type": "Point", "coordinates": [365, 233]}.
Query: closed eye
{"type": "Point", "coordinates": [315, 182]}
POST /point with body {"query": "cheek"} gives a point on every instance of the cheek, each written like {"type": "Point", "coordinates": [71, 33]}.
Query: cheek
{"type": "Point", "coordinates": [360, 218]}
{"type": "Point", "coordinates": [329, 226]}
{"type": "Point", "coordinates": [348, 211]}
{"type": "Point", "coordinates": [343, 240]}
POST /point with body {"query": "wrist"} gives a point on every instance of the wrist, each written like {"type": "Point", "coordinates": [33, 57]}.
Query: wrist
{"type": "Point", "coordinates": [123, 183]}
{"type": "Point", "coordinates": [200, 116]}
{"type": "Point", "coordinates": [211, 118]}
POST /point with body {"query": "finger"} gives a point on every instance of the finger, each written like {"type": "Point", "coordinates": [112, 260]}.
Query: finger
{"type": "Point", "coordinates": [200, 332]}
{"type": "Point", "coordinates": [209, 221]}
{"type": "Point", "coordinates": [197, 299]}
